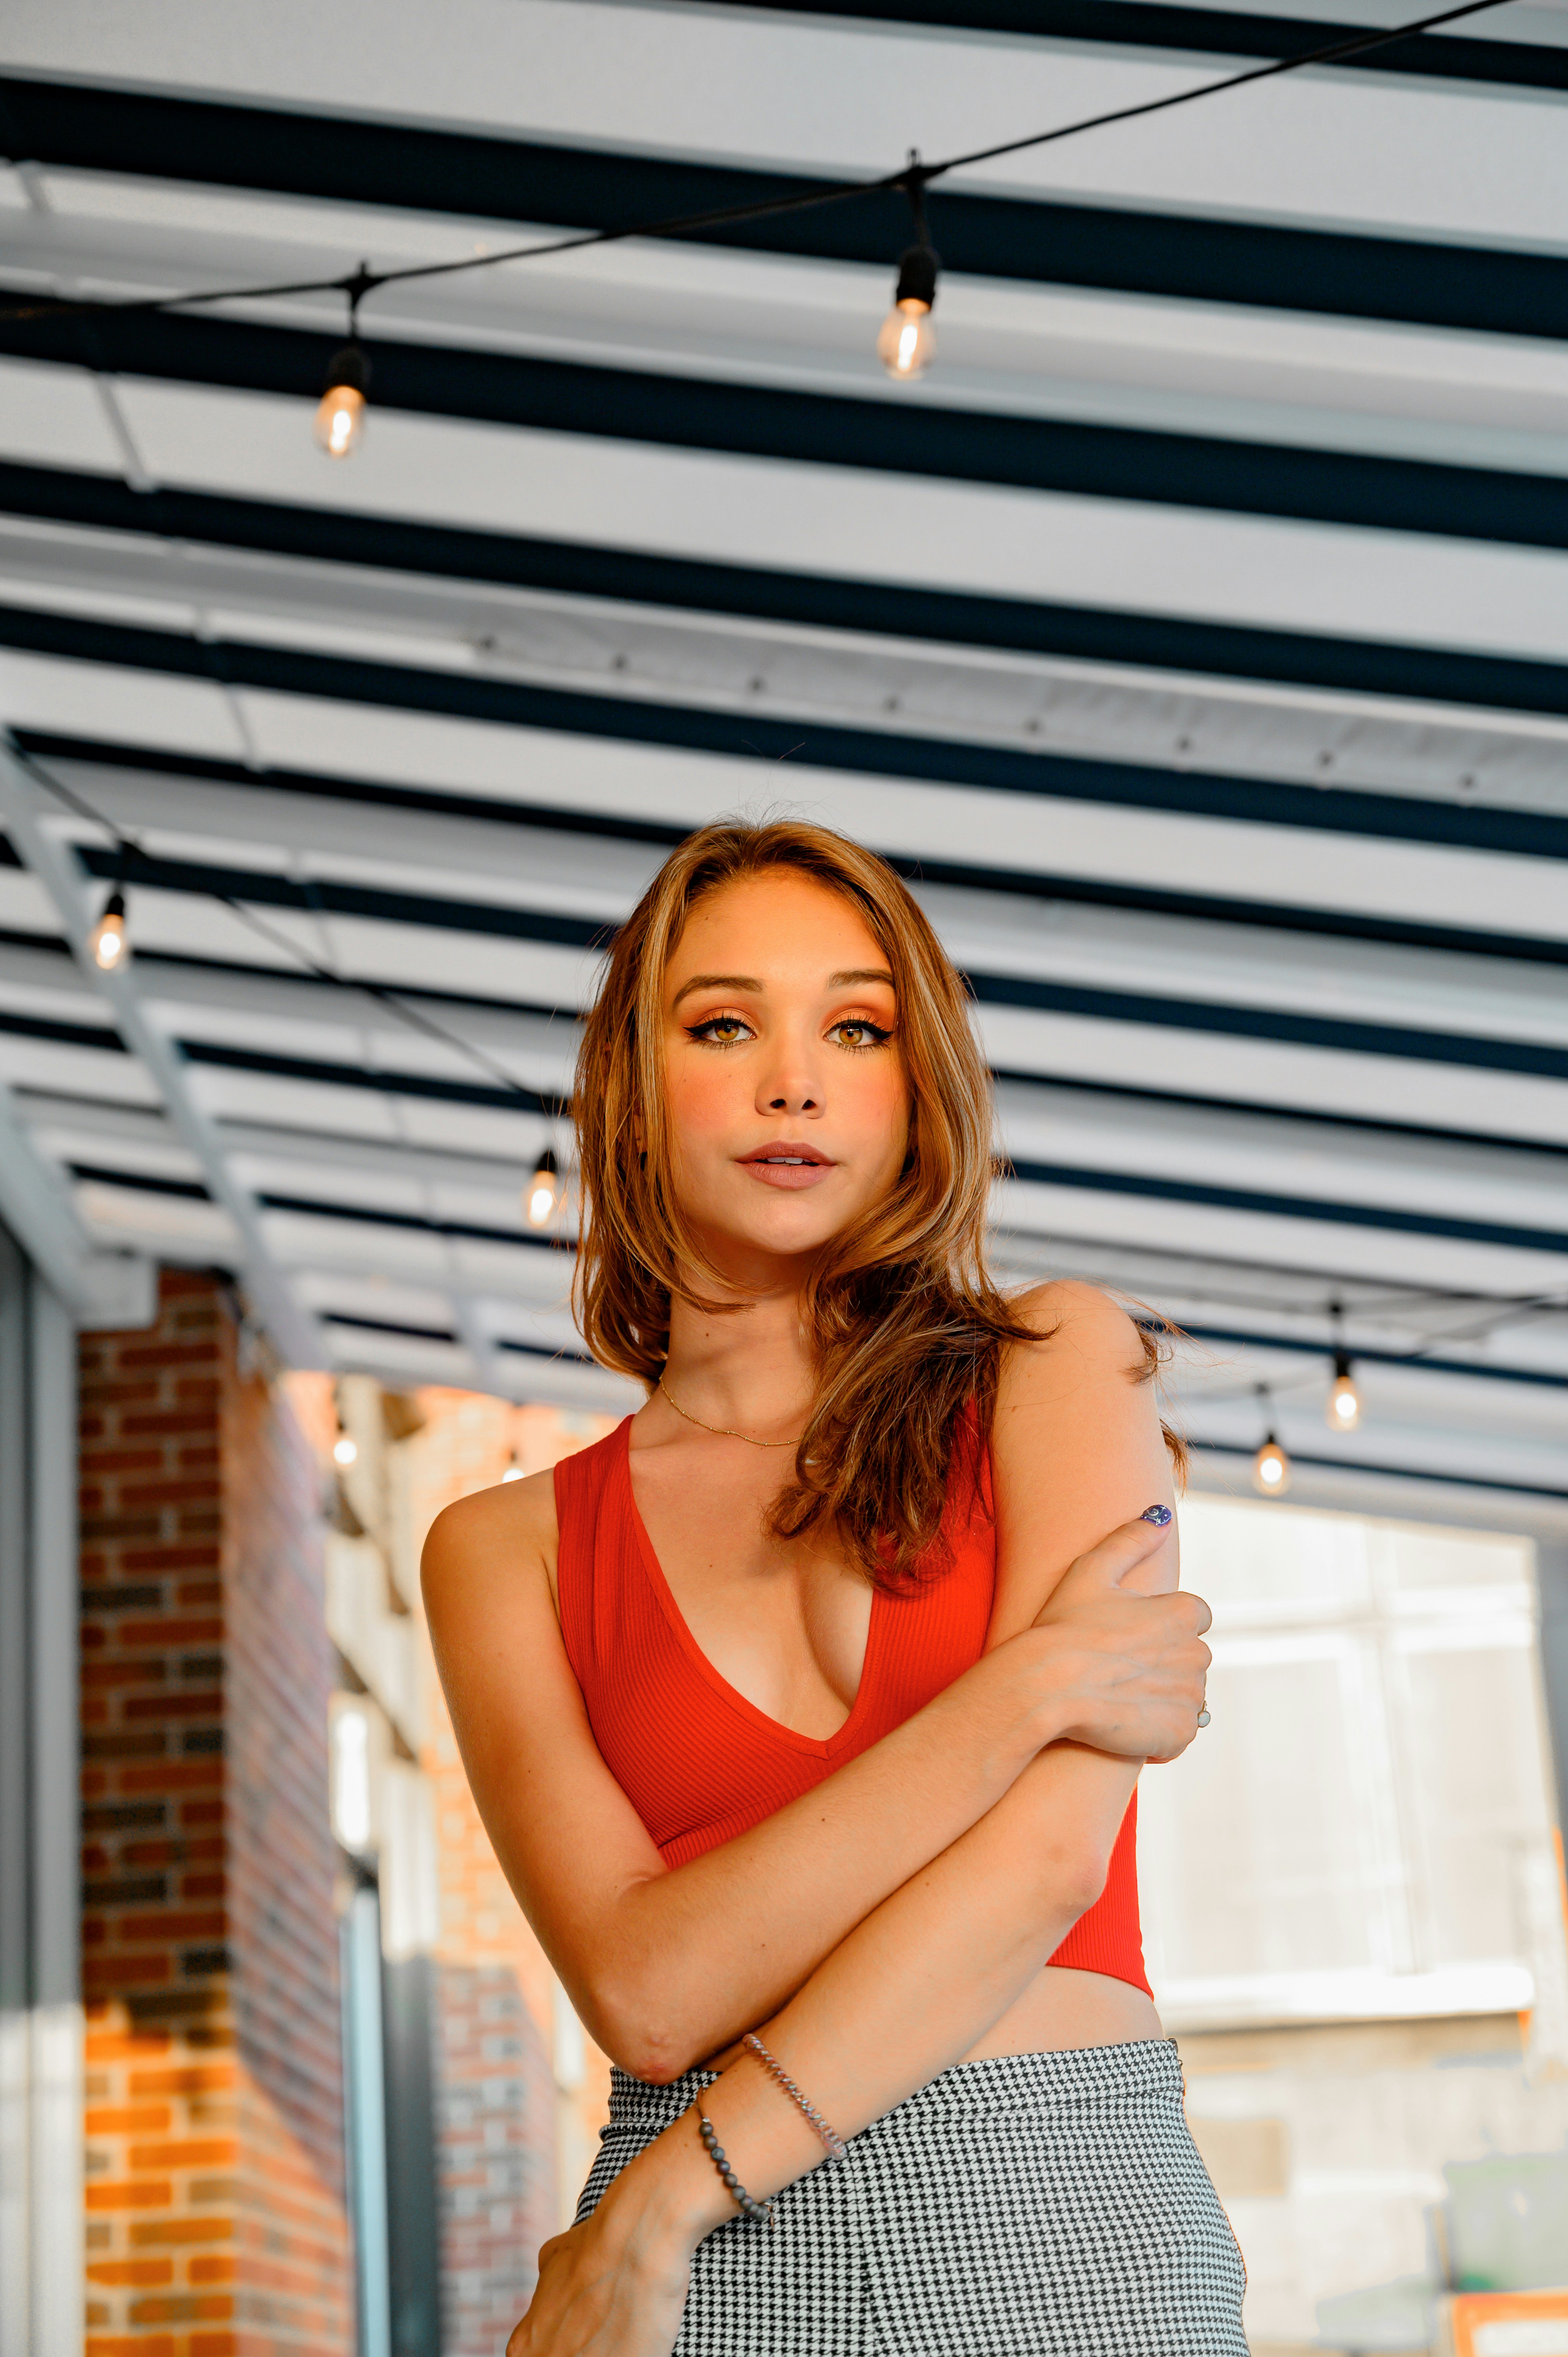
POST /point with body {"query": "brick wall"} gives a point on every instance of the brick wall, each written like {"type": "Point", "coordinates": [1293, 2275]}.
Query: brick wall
{"type": "Point", "coordinates": [216, 2222]}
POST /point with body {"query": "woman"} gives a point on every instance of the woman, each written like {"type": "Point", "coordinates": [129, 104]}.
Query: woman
{"type": "Point", "coordinates": [810, 1703]}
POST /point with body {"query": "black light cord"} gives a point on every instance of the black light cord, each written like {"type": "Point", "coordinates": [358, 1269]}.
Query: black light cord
{"type": "Point", "coordinates": [1334, 54]}
{"type": "Point", "coordinates": [913, 178]}
{"type": "Point", "coordinates": [128, 852]}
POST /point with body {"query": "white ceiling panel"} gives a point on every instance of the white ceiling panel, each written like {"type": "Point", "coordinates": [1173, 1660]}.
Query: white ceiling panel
{"type": "Point", "coordinates": [842, 97]}
{"type": "Point", "coordinates": [1281, 1064]}
{"type": "Point", "coordinates": [981, 538]}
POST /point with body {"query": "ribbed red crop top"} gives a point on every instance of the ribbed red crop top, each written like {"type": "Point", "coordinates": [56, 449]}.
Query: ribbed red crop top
{"type": "Point", "coordinates": [699, 1763]}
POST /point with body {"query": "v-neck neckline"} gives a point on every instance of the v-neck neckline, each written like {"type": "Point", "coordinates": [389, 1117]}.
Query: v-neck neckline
{"type": "Point", "coordinates": [820, 1745]}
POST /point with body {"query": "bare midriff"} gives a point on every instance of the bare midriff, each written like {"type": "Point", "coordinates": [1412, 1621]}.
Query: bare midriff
{"type": "Point", "coordinates": [1062, 2008]}
{"type": "Point", "coordinates": [1061, 2011]}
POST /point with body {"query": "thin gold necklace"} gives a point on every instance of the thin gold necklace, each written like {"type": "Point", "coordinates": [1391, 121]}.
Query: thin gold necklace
{"type": "Point", "coordinates": [722, 1430]}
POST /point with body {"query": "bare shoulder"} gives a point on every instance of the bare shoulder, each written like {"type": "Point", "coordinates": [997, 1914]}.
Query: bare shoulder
{"type": "Point", "coordinates": [1077, 1445]}
{"type": "Point", "coordinates": [1083, 1334]}
{"type": "Point", "coordinates": [513, 1524]}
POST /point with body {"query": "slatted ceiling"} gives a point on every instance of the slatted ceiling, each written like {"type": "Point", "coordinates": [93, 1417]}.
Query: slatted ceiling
{"type": "Point", "coordinates": [805, 93]}
{"type": "Point", "coordinates": [1446, 996]}
{"type": "Point", "coordinates": [1365, 715]}
{"type": "Point", "coordinates": [1270, 865]}
{"type": "Point", "coordinates": [1320, 543]}
{"type": "Point", "coordinates": [1263, 1040]}
{"type": "Point", "coordinates": [1042, 351]}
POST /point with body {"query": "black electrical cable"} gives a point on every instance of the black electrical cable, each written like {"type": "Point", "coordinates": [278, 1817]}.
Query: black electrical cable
{"type": "Point", "coordinates": [128, 853]}
{"type": "Point", "coordinates": [913, 178]}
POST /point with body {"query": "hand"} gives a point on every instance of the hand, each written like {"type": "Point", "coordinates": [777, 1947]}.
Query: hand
{"type": "Point", "coordinates": [1127, 1650]}
{"type": "Point", "coordinates": [605, 2291]}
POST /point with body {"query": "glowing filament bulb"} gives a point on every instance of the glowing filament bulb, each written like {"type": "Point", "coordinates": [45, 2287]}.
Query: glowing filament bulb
{"type": "Point", "coordinates": [340, 414]}
{"type": "Point", "coordinates": [340, 419]}
{"type": "Point", "coordinates": [1344, 1399]}
{"type": "Point", "coordinates": [345, 1450]}
{"type": "Point", "coordinates": [1270, 1468]}
{"type": "Point", "coordinates": [907, 343]}
{"type": "Point", "coordinates": [544, 1190]}
{"type": "Point", "coordinates": [109, 941]}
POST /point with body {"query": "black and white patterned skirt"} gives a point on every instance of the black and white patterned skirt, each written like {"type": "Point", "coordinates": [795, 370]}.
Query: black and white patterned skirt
{"type": "Point", "coordinates": [1037, 2205]}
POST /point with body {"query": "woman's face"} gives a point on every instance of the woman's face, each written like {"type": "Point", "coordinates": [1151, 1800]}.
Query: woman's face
{"type": "Point", "coordinates": [788, 1101]}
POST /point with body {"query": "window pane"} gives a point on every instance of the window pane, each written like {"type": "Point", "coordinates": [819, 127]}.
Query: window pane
{"type": "Point", "coordinates": [1255, 1857]}
{"type": "Point", "coordinates": [1474, 1792]}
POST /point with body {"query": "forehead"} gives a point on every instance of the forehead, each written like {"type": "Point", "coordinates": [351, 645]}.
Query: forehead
{"type": "Point", "coordinates": [778, 921]}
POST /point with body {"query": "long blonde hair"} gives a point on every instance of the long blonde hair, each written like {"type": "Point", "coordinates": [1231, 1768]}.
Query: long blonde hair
{"type": "Point", "coordinates": [904, 1323]}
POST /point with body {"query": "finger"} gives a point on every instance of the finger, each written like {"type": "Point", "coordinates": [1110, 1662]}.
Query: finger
{"type": "Point", "coordinates": [1107, 1563]}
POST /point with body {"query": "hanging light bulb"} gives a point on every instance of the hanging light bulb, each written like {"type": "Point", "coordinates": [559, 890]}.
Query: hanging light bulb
{"type": "Point", "coordinates": [1270, 1468]}
{"type": "Point", "coordinates": [109, 941]}
{"type": "Point", "coordinates": [907, 343]}
{"type": "Point", "coordinates": [340, 414]}
{"type": "Point", "coordinates": [513, 1473]}
{"type": "Point", "coordinates": [1344, 1411]}
{"type": "Point", "coordinates": [542, 1192]}
{"type": "Point", "coordinates": [345, 1450]}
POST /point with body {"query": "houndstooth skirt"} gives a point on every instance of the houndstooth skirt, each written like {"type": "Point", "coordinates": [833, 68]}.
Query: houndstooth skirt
{"type": "Point", "coordinates": [1037, 2205]}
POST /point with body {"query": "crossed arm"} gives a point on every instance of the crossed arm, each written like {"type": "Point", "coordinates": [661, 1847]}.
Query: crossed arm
{"type": "Point", "coordinates": [884, 1921]}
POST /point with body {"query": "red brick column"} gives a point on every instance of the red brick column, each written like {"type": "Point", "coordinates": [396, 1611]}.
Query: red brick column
{"type": "Point", "coordinates": [216, 2216]}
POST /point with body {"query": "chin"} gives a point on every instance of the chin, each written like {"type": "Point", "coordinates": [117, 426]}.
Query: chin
{"type": "Point", "coordinates": [785, 1230]}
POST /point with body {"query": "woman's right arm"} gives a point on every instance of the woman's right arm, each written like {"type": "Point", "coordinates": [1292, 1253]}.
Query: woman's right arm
{"type": "Point", "coordinates": [667, 1967]}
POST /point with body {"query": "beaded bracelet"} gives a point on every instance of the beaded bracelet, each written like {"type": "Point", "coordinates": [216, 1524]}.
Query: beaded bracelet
{"type": "Point", "coordinates": [759, 2213]}
{"type": "Point", "coordinates": [830, 2137]}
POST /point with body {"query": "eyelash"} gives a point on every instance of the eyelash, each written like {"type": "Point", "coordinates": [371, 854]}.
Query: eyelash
{"type": "Point", "coordinates": [703, 1032]}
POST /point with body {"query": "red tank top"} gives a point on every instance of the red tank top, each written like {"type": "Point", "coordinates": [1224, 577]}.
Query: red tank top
{"type": "Point", "coordinates": [701, 1764]}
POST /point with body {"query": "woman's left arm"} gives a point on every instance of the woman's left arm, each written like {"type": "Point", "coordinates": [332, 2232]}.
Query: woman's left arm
{"type": "Point", "coordinates": [1077, 1447]}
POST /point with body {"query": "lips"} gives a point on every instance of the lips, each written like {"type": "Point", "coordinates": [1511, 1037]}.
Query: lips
{"type": "Point", "coordinates": [785, 1162]}
{"type": "Point", "coordinates": [784, 1151]}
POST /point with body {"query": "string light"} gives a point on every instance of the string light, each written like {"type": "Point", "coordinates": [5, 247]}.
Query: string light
{"type": "Point", "coordinates": [542, 1192]}
{"type": "Point", "coordinates": [345, 1450]}
{"type": "Point", "coordinates": [1271, 1466]}
{"type": "Point", "coordinates": [341, 412]}
{"type": "Point", "coordinates": [1344, 1410]}
{"type": "Point", "coordinates": [907, 343]}
{"type": "Point", "coordinates": [513, 1473]}
{"type": "Point", "coordinates": [906, 347]}
{"type": "Point", "coordinates": [109, 941]}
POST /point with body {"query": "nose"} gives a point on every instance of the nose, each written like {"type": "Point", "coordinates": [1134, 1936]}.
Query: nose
{"type": "Point", "coordinates": [790, 1086]}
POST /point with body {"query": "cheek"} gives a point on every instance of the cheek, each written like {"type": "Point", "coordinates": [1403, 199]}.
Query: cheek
{"type": "Point", "coordinates": [882, 1110]}
{"type": "Point", "coordinates": [700, 1097]}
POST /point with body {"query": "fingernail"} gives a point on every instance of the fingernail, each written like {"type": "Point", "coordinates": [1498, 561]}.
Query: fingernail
{"type": "Point", "coordinates": [1159, 1515]}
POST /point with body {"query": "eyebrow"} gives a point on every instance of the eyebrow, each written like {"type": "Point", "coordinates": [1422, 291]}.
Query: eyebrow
{"type": "Point", "coordinates": [750, 982]}
{"type": "Point", "coordinates": [716, 982]}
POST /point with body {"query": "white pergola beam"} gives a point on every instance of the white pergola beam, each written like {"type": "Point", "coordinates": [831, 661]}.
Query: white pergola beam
{"type": "Point", "coordinates": [98, 1288]}
{"type": "Point", "coordinates": [293, 1331]}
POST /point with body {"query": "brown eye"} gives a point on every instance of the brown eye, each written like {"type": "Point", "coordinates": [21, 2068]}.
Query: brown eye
{"type": "Point", "coordinates": [720, 1031]}
{"type": "Point", "coordinates": [858, 1031]}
